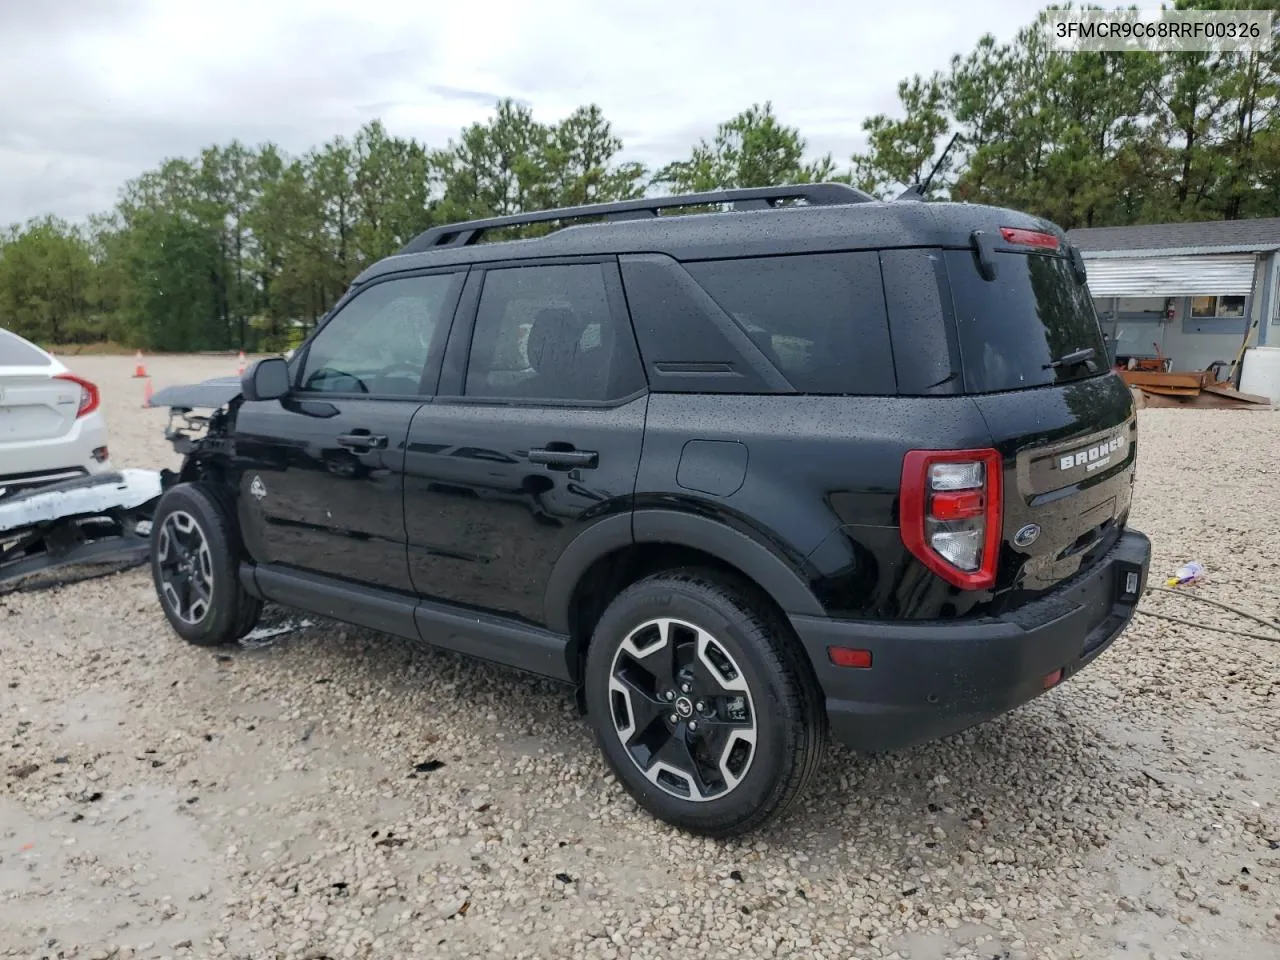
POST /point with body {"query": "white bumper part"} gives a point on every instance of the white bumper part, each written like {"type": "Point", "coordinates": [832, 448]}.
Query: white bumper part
{"type": "Point", "coordinates": [122, 490]}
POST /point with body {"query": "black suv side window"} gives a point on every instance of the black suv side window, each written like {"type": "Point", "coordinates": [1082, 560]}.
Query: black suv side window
{"type": "Point", "coordinates": [549, 333]}
{"type": "Point", "coordinates": [819, 318]}
{"type": "Point", "coordinates": [381, 341]}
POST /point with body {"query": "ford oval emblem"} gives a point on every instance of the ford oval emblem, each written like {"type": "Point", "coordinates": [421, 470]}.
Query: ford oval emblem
{"type": "Point", "coordinates": [1027, 535]}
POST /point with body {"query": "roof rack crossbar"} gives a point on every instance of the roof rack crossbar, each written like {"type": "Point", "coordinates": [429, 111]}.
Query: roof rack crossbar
{"type": "Point", "coordinates": [748, 198]}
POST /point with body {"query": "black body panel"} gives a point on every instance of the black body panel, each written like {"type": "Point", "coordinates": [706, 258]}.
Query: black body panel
{"type": "Point", "coordinates": [1080, 510]}
{"type": "Point", "coordinates": [321, 501]}
{"type": "Point", "coordinates": [485, 524]}
{"type": "Point", "coordinates": [440, 625]}
{"type": "Point", "coordinates": [821, 488]}
{"type": "Point", "coordinates": [928, 680]}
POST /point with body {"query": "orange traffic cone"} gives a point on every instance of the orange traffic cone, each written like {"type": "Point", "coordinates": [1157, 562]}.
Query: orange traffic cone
{"type": "Point", "coordinates": [147, 394]}
{"type": "Point", "coordinates": [243, 363]}
{"type": "Point", "coordinates": [140, 368]}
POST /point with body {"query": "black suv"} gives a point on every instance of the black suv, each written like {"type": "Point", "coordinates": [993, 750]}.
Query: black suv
{"type": "Point", "coordinates": [796, 461]}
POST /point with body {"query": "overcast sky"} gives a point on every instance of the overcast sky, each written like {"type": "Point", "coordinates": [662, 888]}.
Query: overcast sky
{"type": "Point", "coordinates": [97, 91]}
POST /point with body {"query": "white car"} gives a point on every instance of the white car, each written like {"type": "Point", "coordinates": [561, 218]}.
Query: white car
{"type": "Point", "coordinates": [51, 425]}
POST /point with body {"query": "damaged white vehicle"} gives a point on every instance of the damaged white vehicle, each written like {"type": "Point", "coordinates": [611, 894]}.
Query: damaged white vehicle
{"type": "Point", "coordinates": [74, 529]}
{"type": "Point", "coordinates": [64, 512]}
{"type": "Point", "coordinates": [51, 424]}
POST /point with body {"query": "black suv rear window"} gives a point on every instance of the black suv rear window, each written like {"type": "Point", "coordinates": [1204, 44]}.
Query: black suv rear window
{"type": "Point", "coordinates": [820, 319]}
{"type": "Point", "coordinates": [1011, 329]}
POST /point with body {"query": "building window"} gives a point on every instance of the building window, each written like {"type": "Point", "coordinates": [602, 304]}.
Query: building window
{"type": "Point", "coordinates": [1203, 308]}
{"type": "Point", "coordinates": [1231, 306]}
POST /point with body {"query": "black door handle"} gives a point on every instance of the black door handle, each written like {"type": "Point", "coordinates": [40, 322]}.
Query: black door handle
{"type": "Point", "coordinates": [362, 441]}
{"type": "Point", "coordinates": [564, 459]}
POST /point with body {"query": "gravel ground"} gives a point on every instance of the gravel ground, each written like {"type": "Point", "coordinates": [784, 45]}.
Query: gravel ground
{"type": "Point", "coordinates": [336, 793]}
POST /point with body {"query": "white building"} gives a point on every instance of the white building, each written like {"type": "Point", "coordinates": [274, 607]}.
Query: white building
{"type": "Point", "coordinates": [1192, 288]}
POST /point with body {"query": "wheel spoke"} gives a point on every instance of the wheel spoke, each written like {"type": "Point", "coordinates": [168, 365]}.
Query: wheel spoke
{"type": "Point", "coordinates": [676, 756]}
{"type": "Point", "coordinates": [715, 735]}
{"type": "Point", "coordinates": [642, 705]}
{"type": "Point", "coordinates": [184, 593]}
{"type": "Point", "coordinates": [694, 767]}
{"type": "Point", "coordinates": [714, 667]}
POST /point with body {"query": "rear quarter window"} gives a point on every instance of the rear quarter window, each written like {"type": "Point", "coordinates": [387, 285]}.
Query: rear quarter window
{"type": "Point", "coordinates": [1012, 328]}
{"type": "Point", "coordinates": [16, 352]}
{"type": "Point", "coordinates": [820, 319]}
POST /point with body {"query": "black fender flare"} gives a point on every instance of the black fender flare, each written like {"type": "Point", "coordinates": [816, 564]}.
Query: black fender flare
{"type": "Point", "coordinates": [780, 580]}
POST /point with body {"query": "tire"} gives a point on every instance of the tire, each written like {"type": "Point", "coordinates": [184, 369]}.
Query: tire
{"type": "Point", "coordinates": [753, 718]}
{"type": "Point", "coordinates": [195, 561]}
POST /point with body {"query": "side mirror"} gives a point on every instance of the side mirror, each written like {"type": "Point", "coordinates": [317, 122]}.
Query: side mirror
{"type": "Point", "coordinates": [266, 379]}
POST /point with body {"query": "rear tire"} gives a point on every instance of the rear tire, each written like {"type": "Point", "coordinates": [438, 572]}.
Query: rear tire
{"type": "Point", "coordinates": [702, 702]}
{"type": "Point", "coordinates": [195, 565]}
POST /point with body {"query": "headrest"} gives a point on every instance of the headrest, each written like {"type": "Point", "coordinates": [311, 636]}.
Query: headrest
{"type": "Point", "coordinates": [553, 339]}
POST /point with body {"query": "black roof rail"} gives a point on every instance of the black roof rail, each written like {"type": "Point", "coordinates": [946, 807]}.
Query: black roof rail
{"type": "Point", "coordinates": [747, 198]}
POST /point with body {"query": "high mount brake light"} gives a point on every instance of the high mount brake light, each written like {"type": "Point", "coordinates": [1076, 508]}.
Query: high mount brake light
{"type": "Point", "coordinates": [951, 513]}
{"type": "Point", "coordinates": [1029, 238]}
{"type": "Point", "coordinates": [89, 396]}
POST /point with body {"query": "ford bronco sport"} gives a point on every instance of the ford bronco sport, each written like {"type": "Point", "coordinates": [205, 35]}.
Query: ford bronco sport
{"type": "Point", "coordinates": [794, 463]}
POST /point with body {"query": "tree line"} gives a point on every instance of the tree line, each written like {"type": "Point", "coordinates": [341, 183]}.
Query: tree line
{"type": "Point", "coordinates": [1092, 139]}
{"type": "Point", "coordinates": [246, 247]}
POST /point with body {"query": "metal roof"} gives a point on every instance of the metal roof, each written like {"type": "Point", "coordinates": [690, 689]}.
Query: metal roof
{"type": "Point", "coordinates": [1172, 276]}
{"type": "Point", "coordinates": [1149, 253]}
{"type": "Point", "coordinates": [1166, 239]}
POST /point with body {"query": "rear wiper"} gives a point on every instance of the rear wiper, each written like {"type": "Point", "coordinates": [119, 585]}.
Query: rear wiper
{"type": "Point", "coordinates": [1083, 355]}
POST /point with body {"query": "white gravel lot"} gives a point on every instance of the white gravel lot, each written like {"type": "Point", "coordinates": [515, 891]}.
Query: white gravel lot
{"type": "Point", "coordinates": [337, 793]}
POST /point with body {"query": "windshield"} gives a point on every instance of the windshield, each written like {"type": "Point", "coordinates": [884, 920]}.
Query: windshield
{"type": "Point", "coordinates": [16, 352]}
{"type": "Point", "coordinates": [1016, 330]}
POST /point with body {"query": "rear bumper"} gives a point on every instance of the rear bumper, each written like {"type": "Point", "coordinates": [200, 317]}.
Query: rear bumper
{"type": "Point", "coordinates": [929, 679]}
{"type": "Point", "coordinates": [24, 462]}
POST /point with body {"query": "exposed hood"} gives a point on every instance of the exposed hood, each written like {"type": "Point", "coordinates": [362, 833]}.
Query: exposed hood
{"type": "Point", "coordinates": [206, 395]}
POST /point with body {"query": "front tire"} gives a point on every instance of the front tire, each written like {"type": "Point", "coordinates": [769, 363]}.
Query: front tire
{"type": "Point", "coordinates": [702, 703]}
{"type": "Point", "coordinates": [195, 560]}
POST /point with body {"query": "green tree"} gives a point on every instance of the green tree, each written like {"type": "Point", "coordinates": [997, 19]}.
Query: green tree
{"type": "Point", "coordinates": [175, 301]}
{"type": "Point", "coordinates": [47, 287]}
{"type": "Point", "coordinates": [900, 152]}
{"type": "Point", "coordinates": [582, 162]}
{"type": "Point", "coordinates": [751, 150]}
{"type": "Point", "coordinates": [173, 251]}
{"type": "Point", "coordinates": [392, 191]}
{"type": "Point", "coordinates": [495, 169]}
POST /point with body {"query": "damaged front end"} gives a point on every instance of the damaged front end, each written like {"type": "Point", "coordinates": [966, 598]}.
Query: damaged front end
{"type": "Point", "coordinates": [76, 529]}
{"type": "Point", "coordinates": [91, 526]}
{"type": "Point", "coordinates": [193, 433]}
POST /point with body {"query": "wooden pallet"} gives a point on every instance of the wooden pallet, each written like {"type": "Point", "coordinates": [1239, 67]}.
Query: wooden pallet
{"type": "Point", "coordinates": [1190, 389]}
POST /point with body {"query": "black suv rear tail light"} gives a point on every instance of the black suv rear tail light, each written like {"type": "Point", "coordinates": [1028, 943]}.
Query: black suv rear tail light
{"type": "Point", "coordinates": [951, 513]}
